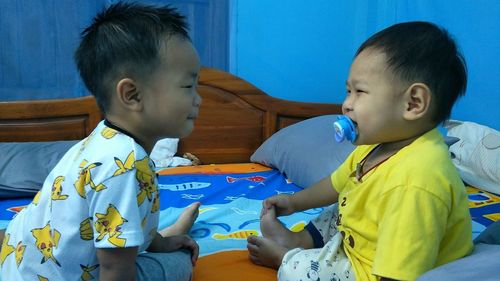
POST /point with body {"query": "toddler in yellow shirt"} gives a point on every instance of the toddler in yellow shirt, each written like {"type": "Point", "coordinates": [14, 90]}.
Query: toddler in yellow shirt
{"type": "Point", "coordinates": [402, 207]}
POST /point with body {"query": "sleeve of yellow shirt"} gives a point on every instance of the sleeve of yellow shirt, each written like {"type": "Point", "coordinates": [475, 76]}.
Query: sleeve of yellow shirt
{"type": "Point", "coordinates": [412, 224]}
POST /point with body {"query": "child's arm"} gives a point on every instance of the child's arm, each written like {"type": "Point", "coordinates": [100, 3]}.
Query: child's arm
{"type": "Point", "coordinates": [318, 195]}
{"type": "Point", "coordinates": [173, 243]}
{"type": "Point", "coordinates": [117, 263]}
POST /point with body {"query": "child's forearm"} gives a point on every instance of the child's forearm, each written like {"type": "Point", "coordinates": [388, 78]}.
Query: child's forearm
{"type": "Point", "coordinates": [156, 245]}
{"type": "Point", "coordinates": [318, 195]}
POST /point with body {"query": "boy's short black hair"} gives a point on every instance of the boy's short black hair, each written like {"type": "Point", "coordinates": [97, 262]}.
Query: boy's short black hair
{"type": "Point", "coordinates": [124, 40]}
{"type": "Point", "coordinates": [424, 52]}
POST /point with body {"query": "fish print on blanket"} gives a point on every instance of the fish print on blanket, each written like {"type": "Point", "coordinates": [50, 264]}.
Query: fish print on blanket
{"type": "Point", "coordinates": [484, 206]}
{"type": "Point", "coordinates": [240, 234]}
{"type": "Point", "coordinates": [184, 186]}
{"type": "Point", "coordinates": [220, 188]}
{"type": "Point", "coordinates": [230, 205]}
{"type": "Point", "coordinates": [16, 209]}
{"type": "Point", "coordinates": [258, 179]}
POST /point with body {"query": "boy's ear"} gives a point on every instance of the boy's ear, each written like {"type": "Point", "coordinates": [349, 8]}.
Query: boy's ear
{"type": "Point", "coordinates": [417, 101]}
{"type": "Point", "coordinates": [128, 94]}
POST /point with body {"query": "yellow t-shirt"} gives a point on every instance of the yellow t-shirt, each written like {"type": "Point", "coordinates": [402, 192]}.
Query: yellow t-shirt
{"type": "Point", "coordinates": [407, 215]}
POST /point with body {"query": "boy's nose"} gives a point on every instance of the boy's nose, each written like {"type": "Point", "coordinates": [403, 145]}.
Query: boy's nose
{"type": "Point", "coordinates": [346, 106]}
{"type": "Point", "coordinates": [197, 100]}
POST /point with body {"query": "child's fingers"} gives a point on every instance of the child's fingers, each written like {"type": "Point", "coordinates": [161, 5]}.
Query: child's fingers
{"type": "Point", "coordinates": [194, 248]}
{"type": "Point", "coordinates": [194, 254]}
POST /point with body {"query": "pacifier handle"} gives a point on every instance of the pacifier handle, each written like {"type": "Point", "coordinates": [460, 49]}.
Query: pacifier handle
{"type": "Point", "coordinates": [345, 129]}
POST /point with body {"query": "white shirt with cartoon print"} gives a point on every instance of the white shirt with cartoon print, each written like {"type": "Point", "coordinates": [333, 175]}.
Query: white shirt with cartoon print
{"type": "Point", "coordinates": [102, 194]}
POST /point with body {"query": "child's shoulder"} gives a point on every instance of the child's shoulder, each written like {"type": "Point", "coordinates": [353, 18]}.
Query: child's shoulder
{"type": "Point", "coordinates": [106, 144]}
{"type": "Point", "coordinates": [429, 149]}
{"type": "Point", "coordinates": [426, 163]}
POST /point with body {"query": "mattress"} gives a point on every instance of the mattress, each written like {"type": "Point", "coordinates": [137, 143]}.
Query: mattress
{"type": "Point", "coordinates": [231, 197]}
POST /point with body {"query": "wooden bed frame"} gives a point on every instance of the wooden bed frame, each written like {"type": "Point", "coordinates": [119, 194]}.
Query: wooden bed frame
{"type": "Point", "coordinates": [235, 118]}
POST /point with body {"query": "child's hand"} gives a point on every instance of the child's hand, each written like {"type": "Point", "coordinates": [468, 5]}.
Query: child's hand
{"type": "Point", "coordinates": [176, 242]}
{"type": "Point", "coordinates": [281, 203]}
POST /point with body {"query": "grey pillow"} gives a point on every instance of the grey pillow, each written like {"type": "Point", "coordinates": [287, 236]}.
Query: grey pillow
{"type": "Point", "coordinates": [482, 264]}
{"type": "Point", "coordinates": [305, 152]}
{"type": "Point", "coordinates": [25, 165]}
{"type": "Point", "coordinates": [491, 235]}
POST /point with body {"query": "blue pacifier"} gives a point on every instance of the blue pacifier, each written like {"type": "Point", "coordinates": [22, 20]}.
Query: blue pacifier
{"type": "Point", "coordinates": [345, 129]}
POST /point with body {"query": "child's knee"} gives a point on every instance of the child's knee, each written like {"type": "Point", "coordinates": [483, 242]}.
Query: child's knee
{"type": "Point", "coordinates": [299, 270]}
{"type": "Point", "coordinates": [164, 266]}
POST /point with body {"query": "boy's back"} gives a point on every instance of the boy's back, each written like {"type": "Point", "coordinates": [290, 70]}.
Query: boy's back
{"type": "Point", "coordinates": [109, 163]}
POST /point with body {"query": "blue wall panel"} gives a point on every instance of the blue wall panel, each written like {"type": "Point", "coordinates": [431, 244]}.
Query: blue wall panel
{"type": "Point", "coordinates": [302, 50]}
{"type": "Point", "coordinates": [38, 39]}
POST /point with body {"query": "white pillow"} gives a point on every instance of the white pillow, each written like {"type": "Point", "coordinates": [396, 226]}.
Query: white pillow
{"type": "Point", "coordinates": [163, 154]}
{"type": "Point", "coordinates": [476, 154]}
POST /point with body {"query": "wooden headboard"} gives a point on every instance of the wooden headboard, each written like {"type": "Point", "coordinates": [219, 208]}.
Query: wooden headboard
{"type": "Point", "coordinates": [235, 118]}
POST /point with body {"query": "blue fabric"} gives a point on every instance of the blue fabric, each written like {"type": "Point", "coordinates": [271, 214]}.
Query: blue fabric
{"type": "Point", "coordinates": [302, 50]}
{"type": "Point", "coordinates": [39, 39]}
{"type": "Point", "coordinates": [316, 235]}
{"type": "Point", "coordinates": [37, 62]}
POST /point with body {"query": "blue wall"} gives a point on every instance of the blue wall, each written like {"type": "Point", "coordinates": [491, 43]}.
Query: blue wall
{"type": "Point", "coordinates": [38, 39]}
{"type": "Point", "coordinates": [302, 50]}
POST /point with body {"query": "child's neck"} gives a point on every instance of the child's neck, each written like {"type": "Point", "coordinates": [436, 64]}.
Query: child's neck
{"type": "Point", "coordinates": [381, 153]}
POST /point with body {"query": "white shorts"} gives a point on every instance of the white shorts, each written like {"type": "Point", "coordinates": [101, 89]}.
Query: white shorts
{"type": "Point", "coordinates": [328, 263]}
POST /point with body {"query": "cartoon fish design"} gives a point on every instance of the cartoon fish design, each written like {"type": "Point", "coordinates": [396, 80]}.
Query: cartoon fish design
{"type": "Point", "coordinates": [478, 198]}
{"type": "Point", "coordinates": [243, 212]}
{"type": "Point", "coordinates": [241, 234]}
{"type": "Point", "coordinates": [192, 196]}
{"type": "Point", "coordinates": [184, 186]}
{"type": "Point", "coordinates": [16, 209]}
{"type": "Point", "coordinates": [298, 226]}
{"type": "Point", "coordinates": [203, 210]}
{"type": "Point", "coordinates": [493, 217]}
{"type": "Point", "coordinates": [258, 179]}
{"type": "Point", "coordinates": [232, 198]}
{"type": "Point", "coordinates": [284, 192]}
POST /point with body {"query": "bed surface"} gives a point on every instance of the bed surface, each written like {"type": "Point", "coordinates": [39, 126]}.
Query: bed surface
{"type": "Point", "coordinates": [231, 196]}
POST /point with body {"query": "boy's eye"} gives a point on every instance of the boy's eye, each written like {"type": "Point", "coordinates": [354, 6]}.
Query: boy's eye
{"type": "Point", "coordinates": [187, 86]}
